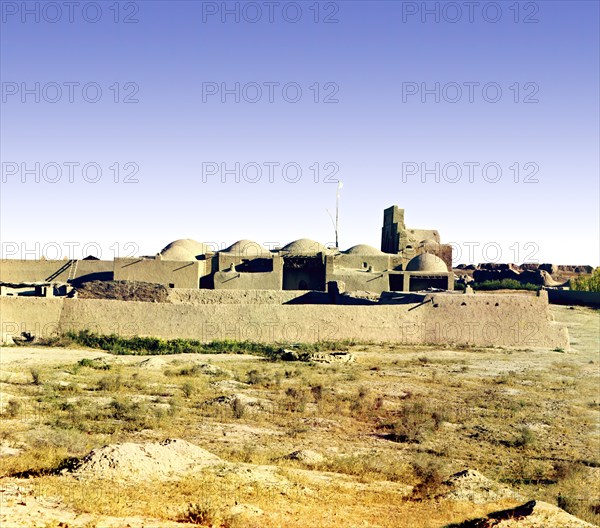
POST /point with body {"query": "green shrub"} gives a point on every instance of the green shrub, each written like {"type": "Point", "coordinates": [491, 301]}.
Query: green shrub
{"type": "Point", "coordinates": [188, 389]}
{"type": "Point", "coordinates": [14, 408]}
{"type": "Point", "coordinates": [93, 364]}
{"type": "Point", "coordinates": [238, 407]}
{"type": "Point", "coordinates": [110, 383]}
{"type": "Point", "coordinates": [590, 283]}
{"type": "Point", "coordinates": [36, 376]}
{"type": "Point", "coordinates": [123, 410]}
{"type": "Point", "coordinates": [296, 399]}
{"type": "Point", "coordinates": [505, 284]}
{"type": "Point", "coordinates": [429, 473]}
{"type": "Point", "coordinates": [525, 437]}
{"type": "Point", "coordinates": [155, 346]}
{"type": "Point", "coordinates": [413, 422]}
{"type": "Point", "coordinates": [205, 514]}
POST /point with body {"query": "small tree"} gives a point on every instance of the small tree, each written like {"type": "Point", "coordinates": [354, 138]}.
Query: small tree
{"type": "Point", "coordinates": [590, 283]}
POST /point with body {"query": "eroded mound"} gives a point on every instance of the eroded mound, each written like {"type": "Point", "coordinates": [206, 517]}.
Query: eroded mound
{"type": "Point", "coordinates": [532, 514]}
{"type": "Point", "coordinates": [123, 291]}
{"type": "Point", "coordinates": [169, 458]}
{"type": "Point", "coordinates": [471, 486]}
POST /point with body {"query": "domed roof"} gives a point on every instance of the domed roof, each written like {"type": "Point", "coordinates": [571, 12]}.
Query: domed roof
{"type": "Point", "coordinates": [304, 246]}
{"type": "Point", "coordinates": [363, 249]}
{"type": "Point", "coordinates": [184, 249]}
{"type": "Point", "coordinates": [427, 262]}
{"type": "Point", "coordinates": [248, 248]}
{"type": "Point", "coordinates": [177, 253]}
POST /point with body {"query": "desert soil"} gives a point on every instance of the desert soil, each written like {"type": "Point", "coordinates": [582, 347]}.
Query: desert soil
{"type": "Point", "coordinates": [234, 440]}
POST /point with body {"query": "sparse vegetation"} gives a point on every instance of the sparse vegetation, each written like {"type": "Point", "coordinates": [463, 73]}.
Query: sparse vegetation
{"type": "Point", "coordinates": [36, 376]}
{"type": "Point", "coordinates": [93, 364]}
{"type": "Point", "coordinates": [120, 345]}
{"type": "Point", "coordinates": [412, 422]}
{"type": "Point", "coordinates": [505, 284]}
{"type": "Point", "coordinates": [392, 429]}
{"type": "Point", "coordinates": [203, 514]}
{"type": "Point", "coordinates": [14, 409]}
{"type": "Point", "coordinates": [188, 389]}
{"type": "Point", "coordinates": [239, 408]}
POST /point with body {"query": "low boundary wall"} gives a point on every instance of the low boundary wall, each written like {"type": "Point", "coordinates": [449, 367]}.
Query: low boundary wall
{"type": "Point", "coordinates": [481, 320]}
{"type": "Point", "coordinates": [572, 297]}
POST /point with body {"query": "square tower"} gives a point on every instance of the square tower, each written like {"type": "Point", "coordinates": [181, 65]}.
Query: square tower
{"type": "Point", "coordinates": [393, 229]}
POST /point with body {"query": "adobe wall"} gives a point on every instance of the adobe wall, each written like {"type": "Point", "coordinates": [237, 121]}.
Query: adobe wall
{"type": "Point", "coordinates": [357, 262]}
{"type": "Point", "coordinates": [39, 270]}
{"type": "Point", "coordinates": [418, 235]}
{"type": "Point", "coordinates": [357, 280]}
{"type": "Point", "coordinates": [166, 272]}
{"type": "Point", "coordinates": [235, 280]}
{"type": "Point", "coordinates": [192, 296]}
{"type": "Point", "coordinates": [480, 319]}
{"type": "Point", "coordinates": [36, 315]}
{"type": "Point", "coordinates": [225, 260]}
{"type": "Point", "coordinates": [572, 297]}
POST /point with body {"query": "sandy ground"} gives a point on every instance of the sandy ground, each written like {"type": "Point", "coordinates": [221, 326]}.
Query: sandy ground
{"type": "Point", "coordinates": [21, 507]}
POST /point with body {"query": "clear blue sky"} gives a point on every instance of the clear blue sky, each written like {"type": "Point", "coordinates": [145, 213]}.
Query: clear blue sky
{"type": "Point", "coordinates": [387, 89]}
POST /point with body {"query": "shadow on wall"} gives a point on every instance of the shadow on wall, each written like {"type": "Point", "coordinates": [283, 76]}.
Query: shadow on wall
{"type": "Point", "coordinates": [98, 276]}
{"type": "Point", "coordinates": [317, 297]}
{"type": "Point", "coordinates": [348, 299]}
{"type": "Point", "coordinates": [311, 297]}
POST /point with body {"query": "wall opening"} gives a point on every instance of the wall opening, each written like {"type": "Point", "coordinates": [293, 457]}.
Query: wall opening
{"type": "Point", "coordinates": [304, 273]}
{"type": "Point", "coordinates": [424, 283]}
{"type": "Point", "coordinates": [396, 282]}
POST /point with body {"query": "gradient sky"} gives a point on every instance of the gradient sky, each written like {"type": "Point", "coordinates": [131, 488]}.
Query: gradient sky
{"type": "Point", "coordinates": [368, 53]}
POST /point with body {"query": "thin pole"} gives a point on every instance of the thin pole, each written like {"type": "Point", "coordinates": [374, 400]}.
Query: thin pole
{"type": "Point", "coordinates": [337, 212]}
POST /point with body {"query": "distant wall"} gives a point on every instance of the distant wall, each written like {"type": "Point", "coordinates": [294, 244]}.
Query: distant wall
{"type": "Point", "coordinates": [480, 319]}
{"type": "Point", "coordinates": [572, 297]}
{"type": "Point", "coordinates": [178, 273]}
{"type": "Point", "coordinates": [40, 270]}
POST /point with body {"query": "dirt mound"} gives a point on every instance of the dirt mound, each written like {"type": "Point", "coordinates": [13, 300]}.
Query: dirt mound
{"type": "Point", "coordinates": [169, 458]}
{"type": "Point", "coordinates": [209, 369]}
{"type": "Point", "coordinates": [472, 486]}
{"type": "Point", "coordinates": [153, 362]}
{"type": "Point", "coordinates": [533, 514]}
{"type": "Point", "coordinates": [306, 456]}
{"type": "Point", "coordinates": [229, 385]}
{"type": "Point", "coordinates": [123, 291]}
{"type": "Point", "coordinates": [242, 403]}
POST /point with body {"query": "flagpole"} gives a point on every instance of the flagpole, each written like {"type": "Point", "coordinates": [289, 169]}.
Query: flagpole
{"type": "Point", "coordinates": [337, 212]}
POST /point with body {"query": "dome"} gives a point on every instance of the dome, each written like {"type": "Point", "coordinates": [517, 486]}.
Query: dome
{"type": "Point", "coordinates": [184, 249]}
{"type": "Point", "coordinates": [304, 246]}
{"type": "Point", "coordinates": [363, 249]}
{"type": "Point", "coordinates": [427, 262]}
{"type": "Point", "coordinates": [247, 248]}
{"type": "Point", "coordinates": [177, 253]}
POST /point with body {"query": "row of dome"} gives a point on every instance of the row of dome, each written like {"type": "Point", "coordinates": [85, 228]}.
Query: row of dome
{"type": "Point", "coordinates": [188, 249]}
